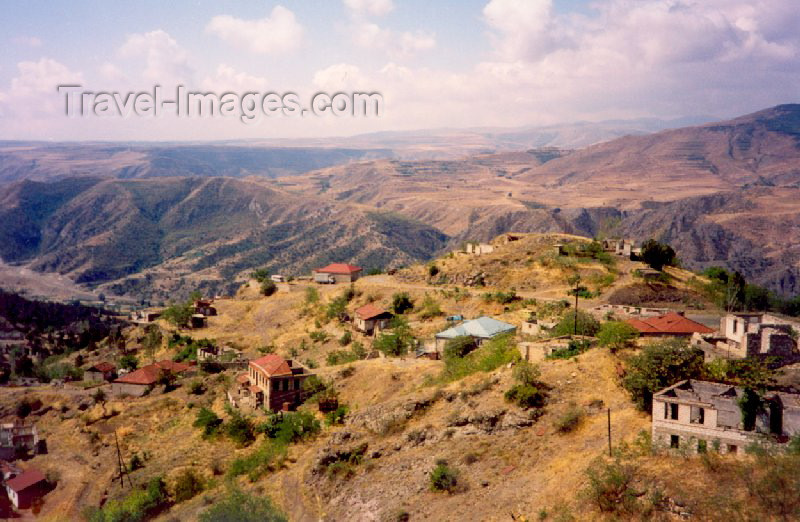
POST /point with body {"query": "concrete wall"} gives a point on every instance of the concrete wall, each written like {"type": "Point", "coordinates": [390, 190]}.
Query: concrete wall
{"type": "Point", "coordinates": [124, 388]}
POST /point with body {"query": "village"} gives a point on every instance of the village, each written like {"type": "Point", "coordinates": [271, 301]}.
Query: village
{"type": "Point", "coordinates": [269, 362]}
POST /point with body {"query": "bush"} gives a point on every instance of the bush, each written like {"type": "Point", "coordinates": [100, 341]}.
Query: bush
{"type": "Point", "coordinates": [528, 392]}
{"type": "Point", "coordinates": [197, 388]}
{"type": "Point", "coordinates": [268, 287]}
{"type": "Point", "coordinates": [459, 346]}
{"type": "Point", "coordinates": [660, 365]}
{"type": "Point", "coordinates": [346, 338]}
{"type": "Point", "coordinates": [267, 458]}
{"type": "Point", "coordinates": [341, 357]}
{"type": "Point", "coordinates": [430, 308]}
{"type": "Point", "coordinates": [433, 270]}
{"type": "Point", "coordinates": [128, 362]}
{"type": "Point", "coordinates": [287, 428]}
{"type": "Point", "coordinates": [337, 416]}
{"type": "Point", "coordinates": [401, 303]}
{"type": "Point", "coordinates": [489, 356]}
{"type": "Point", "coordinates": [242, 507]}
{"type": "Point", "coordinates": [208, 420]}
{"type": "Point", "coordinates": [616, 335]}
{"type": "Point", "coordinates": [571, 419]}
{"type": "Point", "coordinates": [444, 478]}
{"type": "Point", "coordinates": [187, 485]}
{"type": "Point", "coordinates": [574, 348]}
{"type": "Point", "coordinates": [135, 463]}
{"type": "Point", "coordinates": [658, 255]}
{"type": "Point", "coordinates": [240, 429]}
{"type": "Point", "coordinates": [587, 325]}
{"type": "Point", "coordinates": [179, 314]}
{"type": "Point", "coordinates": [138, 505]}
{"type": "Point", "coordinates": [610, 487]}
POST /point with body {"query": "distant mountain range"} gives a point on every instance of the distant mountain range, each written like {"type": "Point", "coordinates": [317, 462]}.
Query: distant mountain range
{"type": "Point", "coordinates": [160, 220]}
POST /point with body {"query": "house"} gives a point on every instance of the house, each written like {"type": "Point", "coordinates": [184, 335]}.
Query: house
{"type": "Point", "coordinates": [618, 246]}
{"type": "Point", "coordinates": [370, 319]}
{"type": "Point", "coordinates": [698, 415]}
{"type": "Point", "coordinates": [145, 316]}
{"type": "Point", "coordinates": [26, 487]}
{"type": "Point", "coordinates": [16, 437]}
{"type": "Point", "coordinates": [479, 248]}
{"type": "Point", "coordinates": [744, 335]}
{"type": "Point", "coordinates": [139, 382]}
{"type": "Point", "coordinates": [100, 372]}
{"type": "Point", "coordinates": [480, 329]}
{"type": "Point", "coordinates": [340, 272]}
{"type": "Point", "coordinates": [672, 324]}
{"type": "Point", "coordinates": [198, 321]}
{"type": "Point", "coordinates": [204, 307]}
{"type": "Point", "coordinates": [271, 382]}
{"type": "Point", "coordinates": [8, 470]}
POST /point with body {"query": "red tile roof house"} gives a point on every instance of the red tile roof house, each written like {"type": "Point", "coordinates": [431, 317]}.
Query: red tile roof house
{"type": "Point", "coordinates": [23, 489]}
{"type": "Point", "coordinates": [341, 272]}
{"type": "Point", "coordinates": [272, 382]}
{"type": "Point", "coordinates": [141, 381]}
{"type": "Point", "coordinates": [370, 318]}
{"type": "Point", "coordinates": [103, 371]}
{"type": "Point", "coordinates": [672, 324]}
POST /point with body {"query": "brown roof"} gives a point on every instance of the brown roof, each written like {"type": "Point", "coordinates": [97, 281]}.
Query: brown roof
{"type": "Point", "coordinates": [273, 365]}
{"type": "Point", "coordinates": [103, 367]}
{"type": "Point", "coordinates": [369, 311]}
{"type": "Point", "coordinates": [27, 479]}
{"type": "Point", "coordinates": [242, 378]}
{"type": "Point", "coordinates": [152, 372]}
{"type": "Point", "coordinates": [339, 268]}
{"type": "Point", "coordinates": [255, 389]}
{"type": "Point", "coordinates": [669, 324]}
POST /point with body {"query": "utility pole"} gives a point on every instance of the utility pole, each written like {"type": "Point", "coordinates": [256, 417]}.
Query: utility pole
{"type": "Point", "coordinates": [122, 471]}
{"type": "Point", "coordinates": [576, 279]}
{"type": "Point", "coordinates": [609, 432]}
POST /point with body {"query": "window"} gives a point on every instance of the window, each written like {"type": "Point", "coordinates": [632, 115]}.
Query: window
{"type": "Point", "coordinates": [735, 322]}
{"type": "Point", "coordinates": [673, 411]}
{"type": "Point", "coordinates": [666, 410]}
{"type": "Point", "coordinates": [732, 449]}
{"type": "Point", "coordinates": [698, 415]}
{"type": "Point", "coordinates": [674, 441]}
{"type": "Point", "coordinates": [702, 446]}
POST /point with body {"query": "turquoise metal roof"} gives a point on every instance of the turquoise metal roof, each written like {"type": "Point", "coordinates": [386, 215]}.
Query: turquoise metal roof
{"type": "Point", "coordinates": [482, 328]}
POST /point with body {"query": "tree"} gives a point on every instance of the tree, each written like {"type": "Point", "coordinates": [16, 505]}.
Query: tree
{"type": "Point", "coordinates": [459, 346]}
{"type": "Point", "coordinates": [187, 485]}
{"type": "Point", "coordinates": [151, 341]}
{"type": "Point", "coordinates": [237, 506]}
{"type": "Point", "coordinates": [401, 303]}
{"type": "Point", "coordinates": [658, 255]}
{"type": "Point", "coordinates": [128, 362]}
{"type": "Point", "coordinates": [660, 365]}
{"type": "Point", "coordinates": [179, 314]}
{"type": "Point", "coordinates": [575, 320]}
{"type": "Point", "coordinates": [268, 287]}
{"type": "Point", "coordinates": [616, 334]}
{"type": "Point", "coordinates": [577, 291]}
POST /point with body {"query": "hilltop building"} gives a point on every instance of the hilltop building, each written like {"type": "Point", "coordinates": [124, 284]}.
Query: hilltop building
{"type": "Point", "coordinates": [271, 382]}
{"type": "Point", "coordinates": [141, 381]}
{"type": "Point", "coordinates": [672, 324]}
{"type": "Point", "coordinates": [370, 319]}
{"type": "Point", "coordinates": [699, 415]}
{"type": "Point", "coordinates": [100, 372]}
{"type": "Point", "coordinates": [26, 487]}
{"type": "Point", "coordinates": [340, 272]}
{"type": "Point", "coordinates": [480, 329]}
{"type": "Point", "coordinates": [744, 335]}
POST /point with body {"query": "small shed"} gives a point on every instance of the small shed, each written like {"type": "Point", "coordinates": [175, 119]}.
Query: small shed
{"type": "Point", "coordinates": [25, 488]}
{"type": "Point", "coordinates": [100, 372]}
{"type": "Point", "coordinates": [480, 329]}
{"type": "Point", "coordinates": [370, 318]}
{"type": "Point", "coordinates": [341, 272]}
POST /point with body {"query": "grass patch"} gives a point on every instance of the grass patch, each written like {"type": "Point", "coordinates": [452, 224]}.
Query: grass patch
{"type": "Point", "coordinates": [492, 355]}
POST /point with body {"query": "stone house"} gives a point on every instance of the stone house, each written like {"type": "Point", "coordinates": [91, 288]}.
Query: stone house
{"type": "Point", "coordinates": [744, 335]}
{"type": "Point", "coordinates": [17, 436]}
{"type": "Point", "coordinates": [480, 329]}
{"type": "Point", "coordinates": [341, 272]}
{"type": "Point", "coordinates": [701, 415]}
{"type": "Point", "coordinates": [145, 316]}
{"type": "Point", "coordinates": [100, 372]}
{"type": "Point", "coordinates": [479, 248]}
{"type": "Point", "coordinates": [618, 246]}
{"type": "Point", "coordinates": [271, 382]}
{"type": "Point", "coordinates": [672, 324]}
{"type": "Point", "coordinates": [205, 307]}
{"type": "Point", "coordinates": [26, 487]}
{"type": "Point", "coordinates": [139, 382]}
{"type": "Point", "coordinates": [370, 319]}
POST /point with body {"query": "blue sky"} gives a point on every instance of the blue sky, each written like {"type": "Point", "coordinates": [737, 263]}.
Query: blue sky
{"type": "Point", "coordinates": [455, 64]}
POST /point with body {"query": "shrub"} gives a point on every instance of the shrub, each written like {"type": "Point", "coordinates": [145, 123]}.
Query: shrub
{"type": "Point", "coordinates": [459, 346]}
{"type": "Point", "coordinates": [658, 255]}
{"type": "Point", "coordinates": [187, 485]}
{"type": "Point", "coordinates": [197, 388]}
{"type": "Point", "coordinates": [346, 338]}
{"type": "Point", "coordinates": [444, 478]}
{"type": "Point", "coordinates": [318, 336]}
{"type": "Point", "coordinates": [287, 428]}
{"type": "Point", "coordinates": [135, 463]}
{"type": "Point", "coordinates": [99, 395]}
{"type": "Point", "coordinates": [179, 314]}
{"type": "Point", "coordinates": [209, 421]}
{"type": "Point", "coordinates": [401, 303]}
{"type": "Point", "coordinates": [336, 416]}
{"type": "Point", "coordinates": [242, 507]}
{"type": "Point", "coordinates": [433, 270]}
{"type": "Point", "coordinates": [240, 429]}
{"type": "Point", "coordinates": [341, 357]}
{"type": "Point", "coordinates": [610, 487]}
{"type": "Point", "coordinates": [528, 392]}
{"type": "Point", "coordinates": [128, 362]}
{"type": "Point", "coordinates": [312, 295]}
{"type": "Point", "coordinates": [571, 419]}
{"type": "Point", "coordinates": [138, 505]}
{"type": "Point", "coordinates": [489, 356]}
{"type": "Point", "coordinates": [268, 457]}
{"type": "Point", "coordinates": [337, 308]}
{"type": "Point", "coordinates": [430, 308]}
{"type": "Point", "coordinates": [616, 335]}
{"type": "Point", "coordinates": [268, 287]}
{"type": "Point", "coordinates": [660, 365]}
{"type": "Point", "coordinates": [574, 348]}
{"type": "Point", "coordinates": [587, 325]}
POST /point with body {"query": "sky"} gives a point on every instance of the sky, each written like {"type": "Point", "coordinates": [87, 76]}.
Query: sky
{"type": "Point", "coordinates": [453, 64]}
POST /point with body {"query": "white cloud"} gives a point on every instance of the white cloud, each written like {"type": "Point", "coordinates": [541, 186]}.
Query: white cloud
{"type": "Point", "coordinates": [397, 45]}
{"type": "Point", "coordinates": [277, 33]}
{"type": "Point", "coordinates": [162, 59]}
{"type": "Point", "coordinates": [340, 76]}
{"type": "Point", "coordinates": [369, 7]}
{"type": "Point", "coordinates": [33, 92]}
{"type": "Point", "coordinates": [227, 78]}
